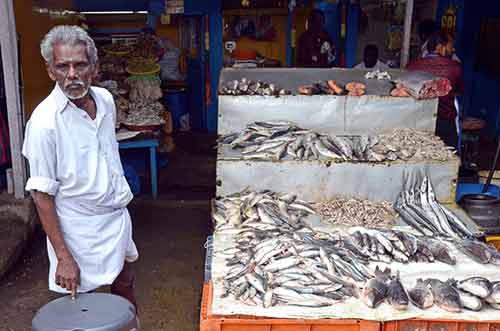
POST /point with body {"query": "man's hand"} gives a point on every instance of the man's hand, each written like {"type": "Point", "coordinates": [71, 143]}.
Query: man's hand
{"type": "Point", "coordinates": [68, 274]}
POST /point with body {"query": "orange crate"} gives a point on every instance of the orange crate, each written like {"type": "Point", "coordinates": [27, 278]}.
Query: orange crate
{"type": "Point", "coordinates": [209, 322]}
{"type": "Point", "coordinates": [441, 325]}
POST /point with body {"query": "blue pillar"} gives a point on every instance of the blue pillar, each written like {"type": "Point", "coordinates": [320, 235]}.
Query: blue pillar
{"type": "Point", "coordinates": [215, 60]}
{"type": "Point", "coordinates": [351, 45]}
{"type": "Point", "coordinates": [155, 8]}
{"type": "Point", "coordinates": [331, 13]}
{"type": "Point", "coordinates": [289, 48]}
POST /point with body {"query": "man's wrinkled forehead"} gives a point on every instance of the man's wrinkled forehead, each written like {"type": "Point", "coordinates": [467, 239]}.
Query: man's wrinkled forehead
{"type": "Point", "coordinates": [70, 53]}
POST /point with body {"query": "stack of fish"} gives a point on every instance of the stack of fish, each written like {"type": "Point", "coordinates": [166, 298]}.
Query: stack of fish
{"type": "Point", "coordinates": [451, 295]}
{"type": "Point", "coordinates": [300, 268]}
{"type": "Point", "coordinates": [396, 246]}
{"type": "Point", "coordinates": [349, 212]}
{"type": "Point", "coordinates": [249, 87]}
{"type": "Point", "coordinates": [418, 207]}
{"type": "Point", "coordinates": [276, 259]}
{"type": "Point", "coordinates": [384, 287]}
{"type": "Point", "coordinates": [276, 140]}
{"type": "Point", "coordinates": [260, 210]}
{"type": "Point", "coordinates": [269, 211]}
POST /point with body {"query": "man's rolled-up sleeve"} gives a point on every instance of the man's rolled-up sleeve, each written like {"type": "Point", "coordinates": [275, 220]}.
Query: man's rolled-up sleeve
{"type": "Point", "coordinates": [40, 150]}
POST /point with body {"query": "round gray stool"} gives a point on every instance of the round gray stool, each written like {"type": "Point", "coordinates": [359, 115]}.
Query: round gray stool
{"type": "Point", "coordinates": [88, 312]}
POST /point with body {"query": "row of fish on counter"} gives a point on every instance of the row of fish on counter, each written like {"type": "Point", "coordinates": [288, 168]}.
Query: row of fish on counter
{"type": "Point", "coordinates": [277, 140]}
{"type": "Point", "coordinates": [246, 86]}
{"type": "Point", "coordinates": [451, 295]}
{"type": "Point", "coordinates": [277, 259]}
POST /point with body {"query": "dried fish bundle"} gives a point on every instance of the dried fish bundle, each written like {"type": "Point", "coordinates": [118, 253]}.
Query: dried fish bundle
{"type": "Point", "coordinates": [249, 87]}
{"type": "Point", "coordinates": [412, 144]}
{"type": "Point", "coordinates": [277, 140]}
{"type": "Point", "coordinates": [356, 212]}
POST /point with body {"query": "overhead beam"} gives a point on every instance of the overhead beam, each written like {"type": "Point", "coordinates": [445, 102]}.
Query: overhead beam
{"type": "Point", "coordinates": [8, 44]}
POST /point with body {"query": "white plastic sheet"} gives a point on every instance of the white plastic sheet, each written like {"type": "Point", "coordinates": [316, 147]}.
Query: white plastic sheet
{"type": "Point", "coordinates": [354, 308]}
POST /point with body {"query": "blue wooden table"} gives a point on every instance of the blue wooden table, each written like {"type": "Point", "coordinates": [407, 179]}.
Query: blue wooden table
{"type": "Point", "coordinates": [152, 144]}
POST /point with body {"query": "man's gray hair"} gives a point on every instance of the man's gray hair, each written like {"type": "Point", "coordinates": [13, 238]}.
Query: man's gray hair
{"type": "Point", "coordinates": [67, 35]}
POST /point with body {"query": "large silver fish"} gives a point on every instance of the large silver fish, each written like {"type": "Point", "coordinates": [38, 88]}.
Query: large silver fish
{"type": "Point", "coordinates": [421, 295]}
{"type": "Point", "coordinates": [445, 295]}
{"type": "Point", "coordinates": [396, 294]}
{"type": "Point", "coordinates": [479, 286]}
{"type": "Point", "coordinates": [375, 290]}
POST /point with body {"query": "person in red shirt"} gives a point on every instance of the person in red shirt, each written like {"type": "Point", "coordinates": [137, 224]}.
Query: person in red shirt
{"type": "Point", "coordinates": [439, 62]}
{"type": "Point", "coordinates": [315, 48]}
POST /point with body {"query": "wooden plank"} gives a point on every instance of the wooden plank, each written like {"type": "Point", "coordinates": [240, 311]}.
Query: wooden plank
{"type": "Point", "coordinates": [8, 46]}
{"type": "Point", "coordinates": [405, 50]}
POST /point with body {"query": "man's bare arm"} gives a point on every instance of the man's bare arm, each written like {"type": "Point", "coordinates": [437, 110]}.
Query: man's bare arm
{"type": "Point", "coordinates": [68, 273]}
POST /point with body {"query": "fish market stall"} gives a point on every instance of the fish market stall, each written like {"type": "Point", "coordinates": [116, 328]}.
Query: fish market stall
{"type": "Point", "coordinates": [373, 112]}
{"type": "Point", "coordinates": [335, 202]}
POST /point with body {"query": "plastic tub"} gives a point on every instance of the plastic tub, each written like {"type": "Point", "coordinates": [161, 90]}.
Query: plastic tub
{"type": "Point", "coordinates": [176, 100]}
{"type": "Point", "coordinates": [463, 189]}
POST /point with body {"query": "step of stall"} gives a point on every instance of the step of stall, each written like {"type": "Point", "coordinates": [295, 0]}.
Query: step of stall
{"type": "Point", "coordinates": [210, 322]}
{"type": "Point", "coordinates": [374, 112]}
{"type": "Point", "coordinates": [317, 180]}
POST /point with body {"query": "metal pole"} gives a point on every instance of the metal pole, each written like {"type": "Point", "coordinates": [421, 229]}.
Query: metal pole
{"type": "Point", "coordinates": [8, 44]}
{"type": "Point", "coordinates": [405, 50]}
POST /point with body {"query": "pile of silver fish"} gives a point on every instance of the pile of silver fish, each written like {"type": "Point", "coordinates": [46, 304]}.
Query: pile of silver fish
{"type": "Point", "coordinates": [395, 246]}
{"type": "Point", "coordinates": [275, 258]}
{"type": "Point", "coordinates": [451, 295]}
{"type": "Point", "coordinates": [260, 210]}
{"type": "Point", "coordinates": [418, 207]}
{"type": "Point", "coordinates": [384, 287]}
{"type": "Point", "coordinates": [349, 212]}
{"type": "Point", "coordinates": [277, 140]}
{"type": "Point", "coordinates": [294, 268]}
{"type": "Point", "coordinates": [249, 87]}
{"type": "Point", "coordinates": [270, 211]}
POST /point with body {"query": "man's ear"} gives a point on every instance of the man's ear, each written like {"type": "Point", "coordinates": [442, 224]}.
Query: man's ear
{"type": "Point", "coordinates": [50, 72]}
{"type": "Point", "coordinates": [97, 68]}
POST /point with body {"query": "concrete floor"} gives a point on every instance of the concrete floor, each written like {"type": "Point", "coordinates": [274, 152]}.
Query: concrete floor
{"type": "Point", "coordinates": [170, 234]}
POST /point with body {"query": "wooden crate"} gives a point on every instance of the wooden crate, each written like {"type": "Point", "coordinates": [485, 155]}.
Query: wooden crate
{"type": "Point", "coordinates": [209, 322]}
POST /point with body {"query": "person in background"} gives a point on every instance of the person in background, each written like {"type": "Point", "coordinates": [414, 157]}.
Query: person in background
{"type": "Point", "coordinates": [439, 63]}
{"type": "Point", "coordinates": [315, 48]}
{"type": "Point", "coordinates": [76, 176]}
{"type": "Point", "coordinates": [425, 30]}
{"type": "Point", "coordinates": [370, 59]}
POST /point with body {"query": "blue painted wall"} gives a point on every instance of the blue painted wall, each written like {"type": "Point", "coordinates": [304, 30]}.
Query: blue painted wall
{"type": "Point", "coordinates": [213, 9]}
{"type": "Point", "coordinates": [482, 89]}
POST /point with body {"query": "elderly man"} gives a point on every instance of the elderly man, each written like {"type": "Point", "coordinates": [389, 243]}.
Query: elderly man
{"type": "Point", "coordinates": [76, 178]}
